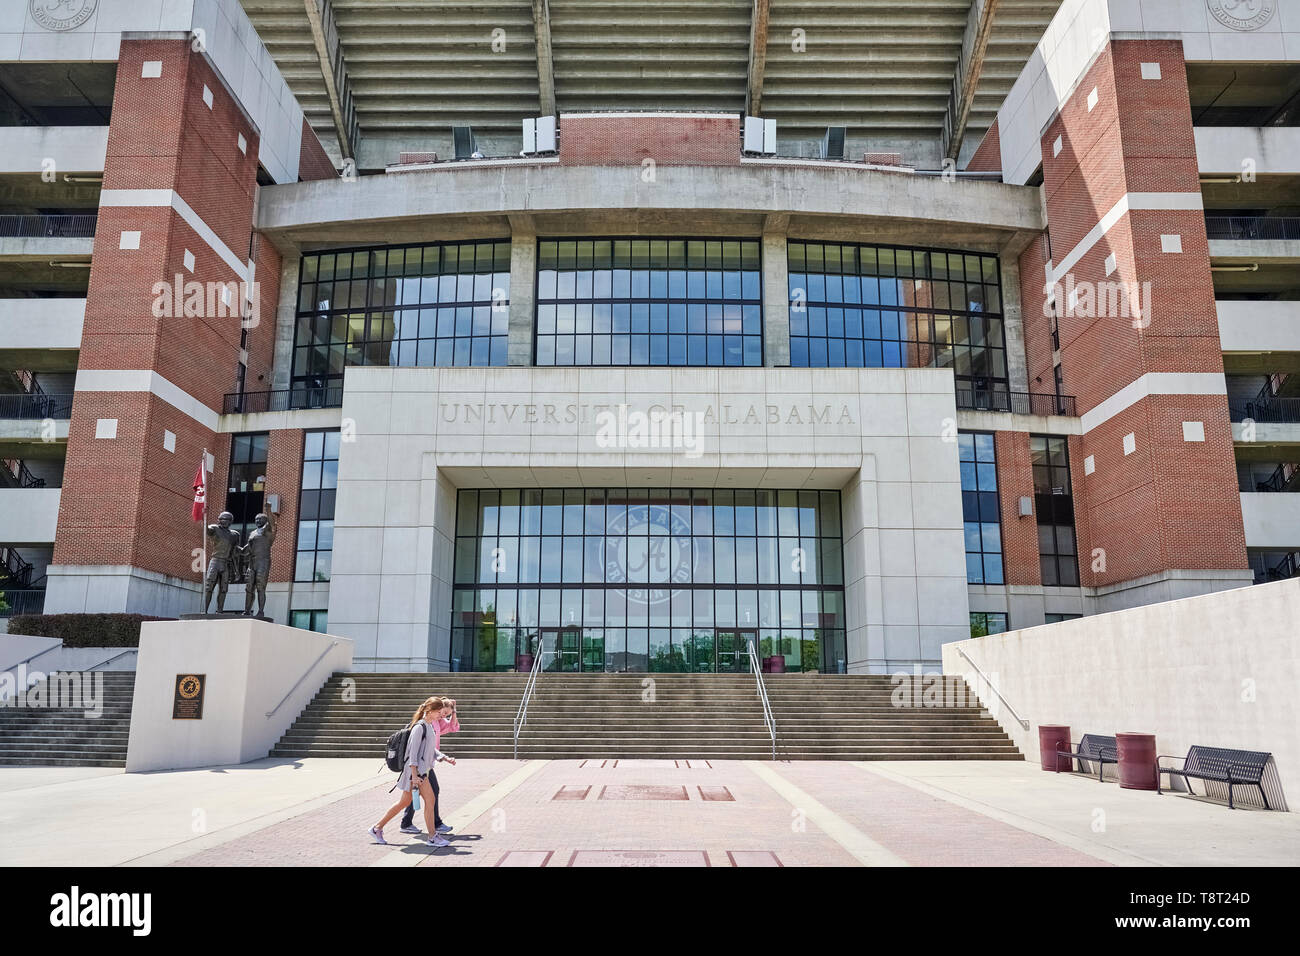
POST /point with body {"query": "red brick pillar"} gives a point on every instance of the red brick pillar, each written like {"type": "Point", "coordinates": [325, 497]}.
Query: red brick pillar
{"type": "Point", "coordinates": [1124, 212]}
{"type": "Point", "coordinates": [157, 353]}
{"type": "Point", "coordinates": [1019, 533]}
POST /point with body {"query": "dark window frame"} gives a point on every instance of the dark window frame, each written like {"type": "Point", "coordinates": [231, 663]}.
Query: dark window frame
{"type": "Point", "coordinates": [991, 381]}
{"type": "Point", "coordinates": [473, 592]}
{"type": "Point", "coordinates": [650, 300]}
{"type": "Point", "coordinates": [302, 375]}
{"type": "Point", "coordinates": [245, 505]}
{"type": "Point", "coordinates": [987, 617]}
{"type": "Point", "coordinates": [1054, 511]}
{"type": "Point", "coordinates": [981, 518]}
{"type": "Point", "coordinates": [324, 502]}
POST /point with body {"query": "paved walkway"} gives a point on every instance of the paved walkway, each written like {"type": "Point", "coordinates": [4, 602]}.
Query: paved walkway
{"type": "Point", "coordinates": [315, 812]}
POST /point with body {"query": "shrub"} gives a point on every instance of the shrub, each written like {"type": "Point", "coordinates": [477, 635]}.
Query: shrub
{"type": "Point", "coordinates": [83, 630]}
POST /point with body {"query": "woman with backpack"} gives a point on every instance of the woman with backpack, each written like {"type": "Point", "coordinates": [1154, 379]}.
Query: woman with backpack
{"type": "Point", "coordinates": [447, 723]}
{"type": "Point", "coordinates": [421, 754]}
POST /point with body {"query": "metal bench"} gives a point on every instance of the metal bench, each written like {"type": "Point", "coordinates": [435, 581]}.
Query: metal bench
{"type": "Point", "coordinates": [1094, 747]}
{"type": "Point", "coordinates": [1232, 767]}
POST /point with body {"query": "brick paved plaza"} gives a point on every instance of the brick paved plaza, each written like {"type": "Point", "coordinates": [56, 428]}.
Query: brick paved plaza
{"type": "Point", "coordinates": [529, 813]}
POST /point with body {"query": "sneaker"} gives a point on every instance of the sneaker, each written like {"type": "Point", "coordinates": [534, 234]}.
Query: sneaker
{"type": "Point", "coordinates": [444, 827]}
{"type": "Point", "coordinates": [411, 829]}
{"type": "Point", "coordinates": [436, 841]}
{"type": "Point", "coordinates": [377, 836]}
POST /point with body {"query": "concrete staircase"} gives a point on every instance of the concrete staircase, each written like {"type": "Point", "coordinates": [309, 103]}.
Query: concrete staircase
{"type": "Point", "coordinates": [65, 736]}
{"type": "Point", "coordinates": [702, 716]}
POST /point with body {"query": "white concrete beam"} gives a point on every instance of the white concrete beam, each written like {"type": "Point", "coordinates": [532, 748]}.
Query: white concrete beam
{"type": "Point", "coordinates": [1259, 326]}
{"type": "Point", "coordinates": [974, 44]}
{"type": "Point", "coordinates": [28, 515]}
{"type": "Point", "coordinates": [545, 68]}
{"type": "Point", "coordinates": [1238, 150]}
{"type": "Point", "coordinates": [757, 57]}
{"type": "Point", "coordinates": [329, 52]}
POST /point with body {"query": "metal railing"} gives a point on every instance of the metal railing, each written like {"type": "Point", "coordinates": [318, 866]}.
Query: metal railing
{"type": "Point", "coordinates": [36, 405]}
{"type": "Point", "coordinates": [22, 601]}
{"type": "Point", "coordinates": [15, 568]}
{"type": "Point", "coordinates": [1287, 568]}
{"type": "Point", "coordinates": [78, 226]}
{"type": "Point", "coordinates": [1024, 724]}
{"type": "Point", "coordinates": [320, 657]}
{"type": "Point", "coordinates": [768, 718]}
{"type": "Point", "coordinates": [283, 400]}
{"type": "Point", "coordinates": [521, 716]}
{"type": "Point", "coordinates": [1017, 403]}
{"type": "Point", "coordinates": [1283, 410]}
{"type": "Point", "coordinates": [16, 474]}
{"type": "Point", "coordinates": [1252, 227]}
{"type": "Point", "coordinates": [1282, 479]}
{"type": "Point", "coordinates": [109, 660]}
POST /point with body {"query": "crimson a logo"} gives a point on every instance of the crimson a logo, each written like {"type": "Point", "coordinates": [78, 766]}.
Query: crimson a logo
{"type": "Point", "coordinates": [649, 551]}
{"type": "Point", "coordinates": [61, 15]}
{"type": "Point", "coordinates": [1243, 15]}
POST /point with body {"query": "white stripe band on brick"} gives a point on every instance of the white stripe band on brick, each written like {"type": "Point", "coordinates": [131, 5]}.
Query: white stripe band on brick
{"type": "Point", "coordinates": [146, 380]}
{"type": "Point", "coordinates": [1127, 203]}
{"type": "Point", "coordinates": [172, 199]}
{"type": "Point", "coordinates": [1154, 383]}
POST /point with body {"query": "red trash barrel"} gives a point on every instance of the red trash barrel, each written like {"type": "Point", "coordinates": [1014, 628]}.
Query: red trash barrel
{"type": "Point", "coordinates": [1136, 754]}
{"type": "Point", "coordinates": [523, 663]}
{"type": "Point", "coordinates": [777, 663]}
{"type": "Point", "coordinates": [1051, 738]}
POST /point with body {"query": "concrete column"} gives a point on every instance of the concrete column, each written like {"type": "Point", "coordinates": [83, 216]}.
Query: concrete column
{"type": "Point", "coordinates": [286, 320]}
{"type": "Point", "coordinates": [523, 278]}
{"type": "Point", "coordinates": [1013, 326]}
{"type": "Point", "coordinates": [776, 296]}
{"type": "Point", "coordinates": [863, 618]}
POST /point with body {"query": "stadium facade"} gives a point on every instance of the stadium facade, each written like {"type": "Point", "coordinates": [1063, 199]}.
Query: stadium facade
{"type": "Point", "coordinates": [844, 332]}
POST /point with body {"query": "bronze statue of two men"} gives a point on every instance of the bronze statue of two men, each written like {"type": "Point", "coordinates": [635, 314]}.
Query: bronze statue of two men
{"type": "Point", "coordinates": [226, 551]}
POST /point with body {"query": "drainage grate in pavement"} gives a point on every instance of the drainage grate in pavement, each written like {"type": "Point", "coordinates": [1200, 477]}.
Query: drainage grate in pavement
{"type": "Point", "coordinates": [525, 858]}
{"type": "Point", "coordinates": [643, 792]}
{"type": "Point", "coordinates": [639, 858]}
{"type": "Point", "coordinates": [716, 793]}
{"type": "Point", "coordinates": [572, 793]}
{"type": "Point", "coordinates": [753, 858]}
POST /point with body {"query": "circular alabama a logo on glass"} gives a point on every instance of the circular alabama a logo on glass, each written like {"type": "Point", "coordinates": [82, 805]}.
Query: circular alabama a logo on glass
{"type": "Point", "coordinates": [650, 546]}
{"type": "Point", "coordinates": [61, 15]}
{"type": "Point", "coordinates": [1244, 15]}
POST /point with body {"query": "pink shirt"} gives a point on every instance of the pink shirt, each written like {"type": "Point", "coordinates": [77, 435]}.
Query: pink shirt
{"type": "Point", "coordinates": [443, 726]}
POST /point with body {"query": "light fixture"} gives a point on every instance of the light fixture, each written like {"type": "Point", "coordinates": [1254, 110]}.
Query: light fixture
{"type": "Point", "coordinates": [1253, 267]}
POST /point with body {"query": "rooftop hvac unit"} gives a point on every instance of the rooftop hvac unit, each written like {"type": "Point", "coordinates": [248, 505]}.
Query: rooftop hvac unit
{"type": "Point", "coordinates": [539, 135]}
{"type": "Point", "coordinates": [463, 137]}
{"type": "Point", "coordinates": [760, 135]}
{"type": "Point", "coordinates": [833, 143]}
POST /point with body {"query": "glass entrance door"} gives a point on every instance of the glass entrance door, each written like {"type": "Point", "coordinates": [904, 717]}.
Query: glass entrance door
{"type": "Point", "coordinates": [566, 642]}
{"type": "Point", "coordinates": [732, 649]}
{"type": "Point", "coordinates": [593, 651]}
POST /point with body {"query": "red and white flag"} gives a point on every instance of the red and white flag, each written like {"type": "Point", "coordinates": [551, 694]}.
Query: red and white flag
{"type": "Point", "coordinates": [200, 494]}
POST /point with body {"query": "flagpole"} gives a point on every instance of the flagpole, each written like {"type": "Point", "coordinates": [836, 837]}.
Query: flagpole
{"type": "Point", "coordinates": [203, 571]}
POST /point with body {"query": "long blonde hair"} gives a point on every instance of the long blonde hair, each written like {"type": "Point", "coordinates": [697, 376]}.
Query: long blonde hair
{"type": "Point", "coordinates": [433, 703]}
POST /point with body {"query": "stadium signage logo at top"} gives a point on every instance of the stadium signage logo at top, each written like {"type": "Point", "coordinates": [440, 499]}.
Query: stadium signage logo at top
{"type": "Point", "coordinates": [1243, 15]}
{"type": "Point", "coordinates": [60, 15]}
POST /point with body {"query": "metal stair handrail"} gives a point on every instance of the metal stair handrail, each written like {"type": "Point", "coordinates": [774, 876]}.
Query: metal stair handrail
{"type": "Point", "coordinates": [768, 718]}
{"type": "Point", "coordinates": [521, 716]}
{"type": "Point", "coordinates": [321, 657]}
{"type": "Point", "coordinates": [1024, 724]}
{"type": "Point", "coordinates": [129, 650]}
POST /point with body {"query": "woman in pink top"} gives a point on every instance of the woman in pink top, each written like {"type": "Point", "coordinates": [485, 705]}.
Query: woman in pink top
{"type": "Point", "coordinates": [446, 722]}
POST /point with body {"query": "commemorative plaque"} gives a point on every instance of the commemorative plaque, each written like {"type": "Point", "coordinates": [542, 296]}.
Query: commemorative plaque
{"type": "Point", "coordinates": [188, 703]}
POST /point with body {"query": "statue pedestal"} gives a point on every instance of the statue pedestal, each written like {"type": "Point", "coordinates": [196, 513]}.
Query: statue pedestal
{"type": "Point", "coordinates": [247, 682]}
{"type": "Point", "coordinates": [226, 616]}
